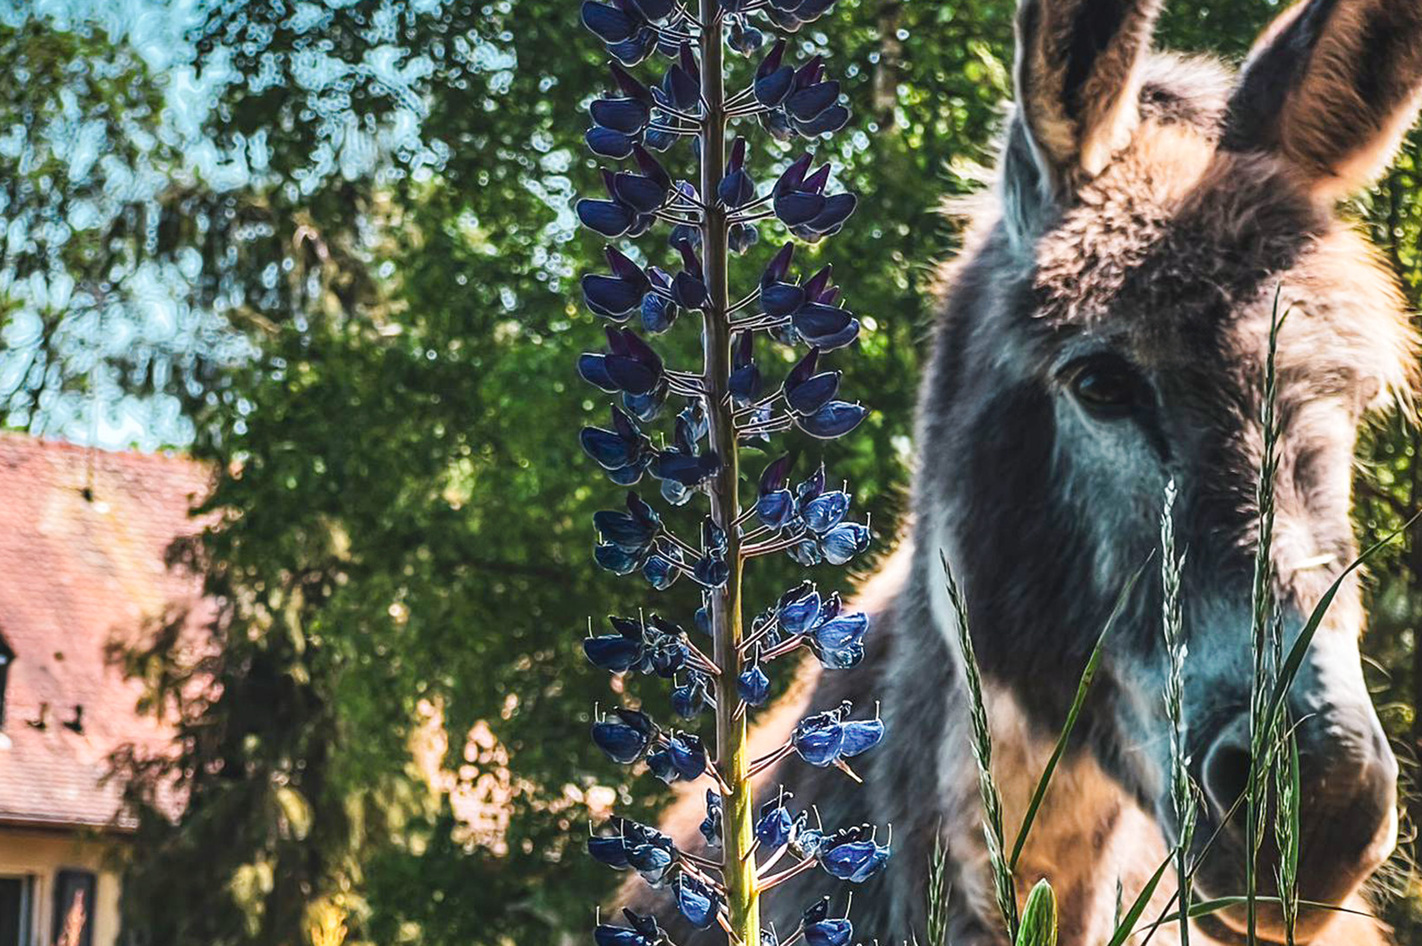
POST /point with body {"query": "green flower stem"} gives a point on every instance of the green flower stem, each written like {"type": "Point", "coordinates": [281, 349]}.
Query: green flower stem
{"type": "Point", "coordinates": [732, 749]}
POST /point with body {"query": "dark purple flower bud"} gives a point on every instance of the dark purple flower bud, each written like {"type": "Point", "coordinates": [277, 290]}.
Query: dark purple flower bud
{"type": "Point", "coordinates": [819, 739]}
{"type": "Point", "coordinates": [626, 115]}
{"type": "Point", "coordinates": [817, 322]}
{"type": "Point", "coordinates": [827, 122]}
{"type": "Point", "coordinates": [797, 208]}
{"type": "Point", "coordinates": [753, 686]}
{"type": "Point", "coordinates": [812, 486]}
{"type": "Point", "coordinates": [608, 143]}
{"type": "Point", "coordinates": [779, 266]}
{"type": "Point", "coordinates": [776, 474]}
{"type": "Point", "coordinates": [638, 192]}
{"type": "Point", "coordinates": [614, 559]}
{"type": "Point", "coordinates": [813, 393]}
{"type": "Point", "coordinates": [684, 234]}
{"type": "Point", "coordinates": [860, 736]}
{"type": "Point", "coordinates": [626, 738]}
{"type": "Point", "coordinates": [689, 291]}
{"type": "Point", "coordinates": [610, 450]}
{"type": "Point", "coordinates": [745, 39]}
{"type": "Point", "coordinates": [810, 73]}
{"type": "Point", "coordinates": [773, 81]}
{"type": "Point", "coordinates": [696, 901]}
{"type": "Point", "coordinates": [793, 177]}
{"type": "Point", "coordinates": [742, 237]}
{"type": "Point", "coordinates": [634, 51]}
{"type": "Point", "coordinates": [745, 381]}
{"type": "Point", "coordinates": [837, 210]}
{"type": "Point", "coordinates": [807, 103]}
{"type": "Point", "coordinates": [825, 511]}
{"type": "Point", "coordinates": [607, 217]}
{"type": "Point", "coordinates": [778, 125]}
{"type": "Point", "coordinates": [780, 299]}
{"type": "Point", "coordinates": [610, 24]}
{"type": "Point", "coordinates": [592, 368]}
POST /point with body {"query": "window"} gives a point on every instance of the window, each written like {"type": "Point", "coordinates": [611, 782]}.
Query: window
{"type": "Point", "coordinates": [14, 911]}
{"type": "Point", "coordinates": [74, 903]}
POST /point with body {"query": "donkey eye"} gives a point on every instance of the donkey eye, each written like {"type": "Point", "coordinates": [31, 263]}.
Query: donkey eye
{"type": "Point", "coordinates": [1105, 386]}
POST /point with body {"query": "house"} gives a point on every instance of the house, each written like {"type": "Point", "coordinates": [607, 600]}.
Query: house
{"type": "Point", "coordinates": [83, 536]}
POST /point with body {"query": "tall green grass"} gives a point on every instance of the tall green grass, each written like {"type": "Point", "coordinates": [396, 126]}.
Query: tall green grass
{"type": "Point", "coordinates": [1274, 765]}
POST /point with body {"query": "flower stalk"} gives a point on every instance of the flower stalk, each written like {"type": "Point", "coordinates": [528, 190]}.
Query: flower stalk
{"type": "Point", "coordinates": [714, 217]}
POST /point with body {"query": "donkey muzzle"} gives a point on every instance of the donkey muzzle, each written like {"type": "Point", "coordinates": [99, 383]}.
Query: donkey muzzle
{"type": "Point", "coordinates": [1347, 824]}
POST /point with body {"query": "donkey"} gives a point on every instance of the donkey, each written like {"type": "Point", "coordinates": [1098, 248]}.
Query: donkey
{"type": "Point", "coordinates": [1105, 331]}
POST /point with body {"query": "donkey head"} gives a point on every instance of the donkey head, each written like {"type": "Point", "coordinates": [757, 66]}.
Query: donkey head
{"type": "Point", "coordinates": [1108, 333]}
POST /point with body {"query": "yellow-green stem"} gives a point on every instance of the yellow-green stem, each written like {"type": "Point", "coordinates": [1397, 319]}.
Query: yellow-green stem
{"type": "Point", "coordinates": [732, 751]}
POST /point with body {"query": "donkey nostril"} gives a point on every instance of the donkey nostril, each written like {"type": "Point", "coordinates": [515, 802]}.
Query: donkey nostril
{"type": "Point", "coordinates": [1226, 775]}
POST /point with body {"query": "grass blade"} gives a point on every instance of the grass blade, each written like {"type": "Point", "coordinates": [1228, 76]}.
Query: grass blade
{"type": "Point", "coordinates": [1124, 928]}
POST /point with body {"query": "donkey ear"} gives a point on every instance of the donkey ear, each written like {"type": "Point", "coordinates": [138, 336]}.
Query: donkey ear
{"type": "Point", "coordinates": [1331, 87]}
{"type": "Point", "coordinates": [1078, 82]}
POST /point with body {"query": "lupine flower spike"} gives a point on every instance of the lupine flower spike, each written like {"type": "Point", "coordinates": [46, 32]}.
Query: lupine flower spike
{"type": "Point", "coordinates": [676, 147]}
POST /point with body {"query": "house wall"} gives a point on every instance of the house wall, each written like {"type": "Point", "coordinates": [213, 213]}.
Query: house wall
{"type": "Point", "coordinates": [40, 855]}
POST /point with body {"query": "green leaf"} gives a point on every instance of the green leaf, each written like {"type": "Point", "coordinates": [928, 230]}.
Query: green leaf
{"type": "Point", "coordinates": [1039, 917]}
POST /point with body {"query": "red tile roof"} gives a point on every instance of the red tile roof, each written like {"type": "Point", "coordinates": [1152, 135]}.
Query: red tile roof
{"type": "Point", "coordinates": [83, 534]}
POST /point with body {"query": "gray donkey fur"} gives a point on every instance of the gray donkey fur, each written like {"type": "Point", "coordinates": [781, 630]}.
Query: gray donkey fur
{"type": "Point", "coordinates": [1104, 331]}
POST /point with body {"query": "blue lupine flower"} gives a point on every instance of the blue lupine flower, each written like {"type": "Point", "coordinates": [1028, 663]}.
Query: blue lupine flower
{"type": "Point", "coordinates": [711, 571]}
{"type": "Point", "coordinates": [839, 641]}
{"type": "Point", "coordinates": [799, 609]}
{"type": "Point", "coordinates": [643, 931]}
{"type": "Point", "coordinates": [851, 854]}
{"type": "Point", "coordinates": [825, 511]}
{"type": "Point", "coordinates": [662, 569]}
{"type": "Point", "coordinates": [607, 217]}
{"type": "Point", "coordinates": [626, 739]}
{"type": "Point", "coordinates": [845, 541]}
{"type": "Point", "coordinates": [608, 143]}
{"type": "Point", "coordinates": [611, 24]}
{"type": "Point", "coordinates": [631, 52]}
{"type": "Point", "coordinates": [775, 826]}
{"type": "Point", "coordinates": [774, 504]}
{"type": "Point", "coordinates": [702, 620]}
{"type": "Point", "coordinates": [805, 552]}
{"type": "Point", "coordinates": [711, 824]}
{"type": "Point", "coordinates": [683, 758]}
{"type": "Point", "coordinates": [753, 686]}
{"type": "Point", "coordinates": [627, 115]}
{"type": "Point", "coordinates": [820, 929]}
{"type": "Point", "coordinates": [684, 462]}
{"type": "Point", "coordinates": [631, 531]}
{"type": "Point", "coordinates": [834, 419]}
{"type": "Point", "coordinates": [696, 901]}
{"type": "Point", "coordinates": [690, 699]}
{"type": "Point", "coordinates": [825, 739]}
{"type": "Point", "coordinates": [624, 447]}
{"type": "Point", "coordinates": [654, 10]}
{"type": "Point", "coordinates": [616, 653]}
{"type": "Point", "coordinates": [805, 390]}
